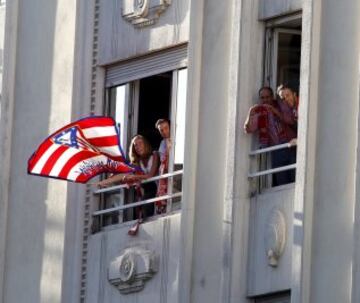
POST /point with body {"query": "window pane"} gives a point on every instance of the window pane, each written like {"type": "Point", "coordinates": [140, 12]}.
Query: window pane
{"type": "Point", "coordinates": [288, 61]}
{"type": "Point", "coordinates": [180, 117]}
{"type": "Point", "coordinates": [121, 107]}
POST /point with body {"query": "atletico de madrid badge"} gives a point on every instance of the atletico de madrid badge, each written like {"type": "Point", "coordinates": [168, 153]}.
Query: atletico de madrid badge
{"type": "Point", "coordinates": [67, 137]}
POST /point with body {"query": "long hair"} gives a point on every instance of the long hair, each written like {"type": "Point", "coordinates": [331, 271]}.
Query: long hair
{"type": "Point", "coordinates": [133, 156]}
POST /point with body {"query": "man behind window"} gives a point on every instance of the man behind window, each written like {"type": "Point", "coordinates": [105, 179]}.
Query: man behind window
{"type": "Point", "coordinates": [163, 126]}
{"type": "Point", "coordinates": [267, 119]}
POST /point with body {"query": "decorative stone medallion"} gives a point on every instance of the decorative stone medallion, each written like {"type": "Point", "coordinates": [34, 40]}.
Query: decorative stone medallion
{"type": "Point", "coordinates": [127, 268]}
{"type": "Point", "coordinates": [129, 271]}
{"type": "Point", "coordinates": [275, 236]}
{"type": "Point", "coordinates": [143, 13]}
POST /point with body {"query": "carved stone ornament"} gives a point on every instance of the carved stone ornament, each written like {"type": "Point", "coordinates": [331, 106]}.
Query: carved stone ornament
{"type": "Point", "coordinates": [132, 269]}
{"type": "Point", "coordinates": [142, 13]}
{"type": "Point", "coordinates": [275, 236]}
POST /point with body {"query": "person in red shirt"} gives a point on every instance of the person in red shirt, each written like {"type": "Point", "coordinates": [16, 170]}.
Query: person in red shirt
{"type": "Point", "coordinates": [267, 118]}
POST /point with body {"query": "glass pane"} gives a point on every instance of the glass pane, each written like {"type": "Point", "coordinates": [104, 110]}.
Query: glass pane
{"type": "Point", "coordinates": [121, 107]}
{"type": "Point", "coordinates": [180, 117]}
{"type": "Point", "coordinates": [118, 109]}
{"type": "Point", "coordinates": [288, 60]}
{"type": "Point", "coordinates": [176, 181]}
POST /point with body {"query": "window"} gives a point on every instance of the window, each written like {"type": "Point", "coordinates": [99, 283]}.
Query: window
{"type": "Point", "coordinates": [136, 106]}
{"type": "Point", "coordinates": [281, 66]}
{"type": "Point", "coordinates": [280, 298]}
{"type": "Point", "coordinates": [285, 63]}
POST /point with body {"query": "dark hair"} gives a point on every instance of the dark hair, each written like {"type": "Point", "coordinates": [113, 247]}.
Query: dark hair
{"type": "Point", "coordinates": [268, 88]}
{"type": "Point", "coordinates": [161, 121]}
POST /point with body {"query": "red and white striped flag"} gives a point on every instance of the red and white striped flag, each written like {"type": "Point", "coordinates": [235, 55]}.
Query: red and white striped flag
{"type": "Point", "coordinates": [81, 150]}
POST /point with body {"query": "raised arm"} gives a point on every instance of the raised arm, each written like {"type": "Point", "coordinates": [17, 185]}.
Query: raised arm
{"type": "Point", "coordinates": [250, 125]}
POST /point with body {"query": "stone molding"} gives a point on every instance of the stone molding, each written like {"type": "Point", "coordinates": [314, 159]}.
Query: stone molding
{"type": "Point", "coordinates": [141, 13]}
{"type": "Point", "coordinates": [275, 236]}
{"type": "Point", "coordinates": [129, 271]}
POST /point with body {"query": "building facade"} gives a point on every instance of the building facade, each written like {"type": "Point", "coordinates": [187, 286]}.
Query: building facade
{"type": "Point", "coordinates": [228, 235]}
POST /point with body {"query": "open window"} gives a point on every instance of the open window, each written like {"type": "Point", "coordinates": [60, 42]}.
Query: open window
{"type": "Point", "coordinates": [281, 66]}
{"type": "Point", "coordinates": [283, 50]}
{"type": "Point", "coordinates": [136, 106]}
{"type": "Point", "coordinates": [283, 297]}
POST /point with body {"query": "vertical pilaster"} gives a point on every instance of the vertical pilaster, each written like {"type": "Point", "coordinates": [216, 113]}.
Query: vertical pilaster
{"type": "Point", "coordinates": [325, 193]}
{"type": "Point", "coordinates": [205, 152]}
{"type": "Point", "coordinates": [224, 75]}
{"type": "Point", "coordinates": [38, 88]}
{"type": "Point", "coordinates": [6, 123]}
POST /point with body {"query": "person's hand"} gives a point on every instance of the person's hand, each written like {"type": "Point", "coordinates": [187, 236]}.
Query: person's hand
{"type": "Point", "coordinates": [101, 184]}
{"type": "Point", "coordinates": [268, 106]}
{"type": "Point", "coordinates": [128, 179]}
{"type": "Point", "coordinates": [274, 110]}
{"type": "Point", "coordinates": [292, 142]}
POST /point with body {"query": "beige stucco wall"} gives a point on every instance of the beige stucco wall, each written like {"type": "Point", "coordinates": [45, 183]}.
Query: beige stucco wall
{"type": "Point", "coordinates": [119, 39]}
{"type": "Point", "coordinates": [37, 99]}
{"type": "Point", "coordinates": [2, 33]}
{"type": "Point", "coordinates": [275, 8]}
{"type": "Point", "coordinates": [215, 214]}
{"type": "Point", "coordinates": [326, 231]}
{"type": "Point", "coordinates": [39, 86]}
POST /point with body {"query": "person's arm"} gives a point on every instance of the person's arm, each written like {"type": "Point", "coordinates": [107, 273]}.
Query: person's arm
{"type": "Point", "coordinates": [249, 125]}
{"type": "Point", "coordinates": [289, 119]}
{"type": "Point", "coordinates": [287, 114]}
{"type": "Point", "coordinates": [168, 145]}
{"type": "Point", "coordinates": [120, 178]}
{"type": "Point", "coordinates": [153, 170]}
{"type": "Point", "coordinates": [292, 142]}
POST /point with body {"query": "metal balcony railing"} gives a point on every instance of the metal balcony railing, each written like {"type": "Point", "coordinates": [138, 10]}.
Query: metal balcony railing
{"type": "Point", "coordinates": [270, 171]}
{"type": "Point", "coordinates": [125, 206]}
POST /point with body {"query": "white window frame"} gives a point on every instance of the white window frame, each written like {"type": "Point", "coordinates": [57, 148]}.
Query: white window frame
{"type": "Point", "coordinates": [132, 104]}
{"type": "Point", "coordinates": [271, 54]}
{"type": "Point", "coordinates": [260, 174]}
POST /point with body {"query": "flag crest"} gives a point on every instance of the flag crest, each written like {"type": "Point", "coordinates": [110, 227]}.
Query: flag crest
{"type": "Point", "coordinates": [81, 150]}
